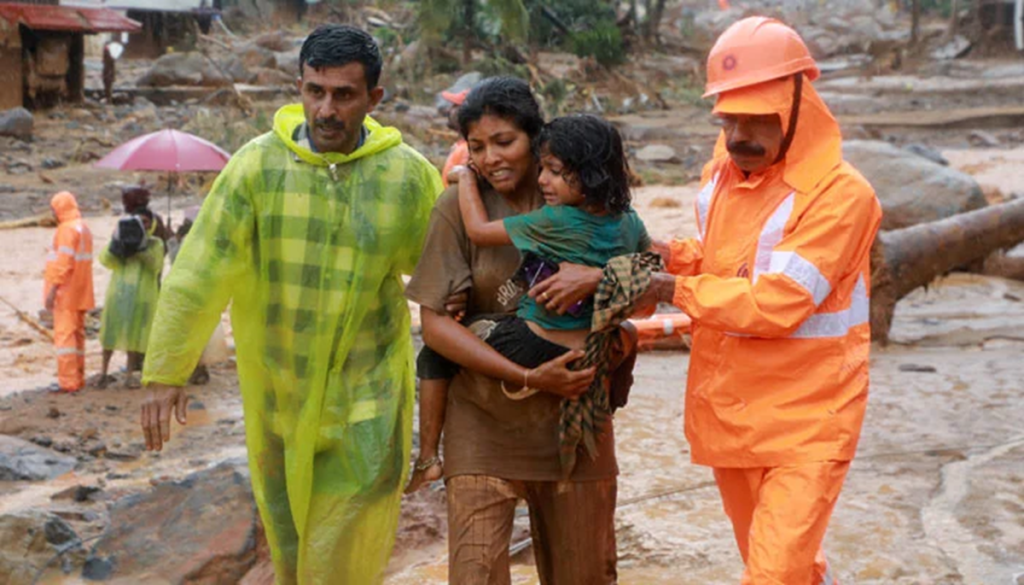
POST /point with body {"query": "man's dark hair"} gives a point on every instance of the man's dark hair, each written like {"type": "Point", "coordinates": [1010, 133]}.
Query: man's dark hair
{"type": "Point", "coordinates": [505, 97]}
{"type": "Point", "coordinates": [334, 45]}
{"type": "Point", "coordinates": [591, 151]}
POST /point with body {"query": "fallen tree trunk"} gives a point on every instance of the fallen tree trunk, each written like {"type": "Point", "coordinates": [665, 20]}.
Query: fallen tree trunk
{"type": "Point", "coordinates": [906, 259]}
{"type": "Point", "coordinates": [43, 219]}
{"type": "Point", "coordinates": [1004, 266]}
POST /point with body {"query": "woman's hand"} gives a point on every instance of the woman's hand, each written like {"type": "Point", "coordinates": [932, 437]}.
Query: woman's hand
{"type": "Point", "coordinates": [571, 284]}
{"type": "Point", "coordinates": [555, 376]}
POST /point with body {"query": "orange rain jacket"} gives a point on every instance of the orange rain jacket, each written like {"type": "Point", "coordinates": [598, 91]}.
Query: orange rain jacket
{"type": "Point", "coordinates": [69, 263]}
{"type": "Point", "coordinates": [777, 286]}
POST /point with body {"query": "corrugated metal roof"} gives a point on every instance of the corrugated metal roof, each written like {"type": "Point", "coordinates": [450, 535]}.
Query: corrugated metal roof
{"type": "Point", "coordinates": [67, 18]}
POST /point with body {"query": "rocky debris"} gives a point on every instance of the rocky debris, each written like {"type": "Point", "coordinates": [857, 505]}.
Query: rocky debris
{"type": "Point", "coordinates": [202, 529]}
{"type": "Point", "coordinates": [29, 540]}
{"type": "Point", "coordinates": [927, 152]}
{"type": "Point", "coordinates": [276, 41]}
{"type": "Point", "coordinates": [78, 493]}
{"type": "Point", "coordinates": [24, 461]}
{"type": "Point", "coordinates": [17, 122]}
{"type": "Point", "coordinates": [983, 139]}
{"type": "Point", "coordinates": [657, 153]}
{"type": "Point", "coordinates": [183, 69]}
{"type": "Point", "coordinates": [288, 61]}
{"type": "Point", "coordinates": [911, 188]}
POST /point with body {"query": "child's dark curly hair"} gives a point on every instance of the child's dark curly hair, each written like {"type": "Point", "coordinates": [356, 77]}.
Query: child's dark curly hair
{"type": "Point", "coordinates": [592, 153]}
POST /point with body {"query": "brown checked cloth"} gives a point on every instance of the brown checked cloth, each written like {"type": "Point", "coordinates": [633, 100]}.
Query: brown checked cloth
{"type": "Point", "coordinates": [625, 280]}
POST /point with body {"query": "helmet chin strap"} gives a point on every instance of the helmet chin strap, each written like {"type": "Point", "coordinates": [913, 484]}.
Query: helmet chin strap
{"type": "Point", "coordinates": [794, 114]}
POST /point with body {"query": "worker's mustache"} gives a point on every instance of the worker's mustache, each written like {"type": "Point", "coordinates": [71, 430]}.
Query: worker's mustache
{"type": "Point", "coordinates": [743, 148]}
{"type": "Point", "coordinates": [329, 124]}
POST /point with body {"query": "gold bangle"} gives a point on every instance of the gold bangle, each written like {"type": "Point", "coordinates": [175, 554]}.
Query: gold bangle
{"type": "Point", "coordinates": [425, 465]}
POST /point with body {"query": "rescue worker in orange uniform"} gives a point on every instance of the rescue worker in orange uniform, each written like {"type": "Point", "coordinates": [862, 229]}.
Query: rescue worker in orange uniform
{"type": "Point", "coordinates": [777, 286]}
{"type": "Point", "coordinates": [459, 154]}
{"type": "Point", "coordinates": [69, 292]}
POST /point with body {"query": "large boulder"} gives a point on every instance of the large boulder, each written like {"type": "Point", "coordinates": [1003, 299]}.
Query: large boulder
{"type": "Point", "coordinates": [17, 122]}
{"type": "Point", "coordinates": [202, 529]}
{"type": "Point", "coordinates": [912, 188]}
{"type": "Point", "coordinates": [184, 69]}
{"type": "Point", "coordinates": [30, 539]}
{"type": "Point", "coordinates": [24, 461]}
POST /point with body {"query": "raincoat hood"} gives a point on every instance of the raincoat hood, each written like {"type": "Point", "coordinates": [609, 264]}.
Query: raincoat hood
{"type": "Point", "coordinates": [816, 148]}
{"type": "Point", "coordinates": [290, 117]}
{"type": "Point", "coordinates": [65, 206]}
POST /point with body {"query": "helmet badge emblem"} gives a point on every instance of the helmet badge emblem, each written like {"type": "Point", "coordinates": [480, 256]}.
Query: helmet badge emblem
{"type": "Point", "coordinates": [729, 63]}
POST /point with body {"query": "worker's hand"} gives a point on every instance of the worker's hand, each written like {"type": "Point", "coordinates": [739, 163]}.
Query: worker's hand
{"type": "Point", "coordinates": [156, 413]}
{"type": "Point", "coordinates": [455, 305]}
{"type": "Point", "coordinates": [555, 376]}
{"type": "Point", "coordinates": [51, 299]}
{"type": "Point", "coordinates": [661, 290]}
{"type": "Point", "coordinates": [571, 284]}
{"type": "Point", "coordinates": [662, 249]}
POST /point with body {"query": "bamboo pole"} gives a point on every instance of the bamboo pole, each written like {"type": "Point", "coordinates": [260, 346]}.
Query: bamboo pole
{"type": "Point", "coordinates": [28, 320]}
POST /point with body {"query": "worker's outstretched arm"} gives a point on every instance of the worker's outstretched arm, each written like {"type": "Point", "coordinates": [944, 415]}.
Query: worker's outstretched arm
{"type": "Point", "coordinates": [793, 278]}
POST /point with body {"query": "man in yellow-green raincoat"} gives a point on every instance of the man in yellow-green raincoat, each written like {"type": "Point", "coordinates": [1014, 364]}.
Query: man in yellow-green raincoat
{"type": "Point", "coordinates": [306, 232]}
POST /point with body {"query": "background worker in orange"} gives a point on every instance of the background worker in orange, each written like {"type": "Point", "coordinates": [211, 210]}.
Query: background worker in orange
{"type": "Point", "coordinates": [459, 154]}
{"type": "Point", "coordinates": [69, 290]}
{"type": "Point", "coordinates": [777, 287]}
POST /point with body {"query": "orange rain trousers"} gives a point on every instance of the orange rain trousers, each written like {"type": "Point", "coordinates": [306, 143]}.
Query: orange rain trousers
{"type": "Point", "coordinates": [69, 339]}
{"type": "Point", "coordinates": [779, 516]}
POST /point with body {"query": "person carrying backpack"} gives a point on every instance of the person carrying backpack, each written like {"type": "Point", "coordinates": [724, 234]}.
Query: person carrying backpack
{"type": "Point", "coordinates": [135, 256]}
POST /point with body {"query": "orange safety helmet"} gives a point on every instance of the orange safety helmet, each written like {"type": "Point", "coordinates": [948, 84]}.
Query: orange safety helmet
{"type": "Point", "coordinates": [754, 50]}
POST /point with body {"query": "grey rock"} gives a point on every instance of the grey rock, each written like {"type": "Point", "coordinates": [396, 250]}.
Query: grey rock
{"type": "Point", "coordinates": [183, 69]}
{"type": "Point", "coordinates": [982, 138]}
{"type": "Point", "coordinates": [911, 188]}
{"type": "Point", "coordinates": [657, 153]}
{"type": "Point", "coordinates": [22, 460]}
{"type": "Point", "coordinates": [28, 540]}
{"type": "Point", "coordinates": [52, 163]}
{"type": "Point", "coordinates": [205, 524]}
{"type": "Point", "coordinates": [17, 122]}
{"type": "Point", "coordinates": [927, 152]}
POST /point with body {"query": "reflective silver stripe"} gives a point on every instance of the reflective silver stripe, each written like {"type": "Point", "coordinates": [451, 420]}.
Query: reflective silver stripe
{"type": "Point", "coordinates": [66, 250]}
{"type": "Point", "coordinates": [838, 324]}
{"type": "Point", "coordinates": [704, 206]}
{"type": "Point", "coordinates": [803, 271]}
{"type": "Point", "coordinates": [83, 256]}
{"type": "Point", "coordinates": [771, 235]}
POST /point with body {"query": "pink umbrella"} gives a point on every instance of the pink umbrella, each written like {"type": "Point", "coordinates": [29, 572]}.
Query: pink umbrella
{"type": "Point", "coordinates": [166, 150]}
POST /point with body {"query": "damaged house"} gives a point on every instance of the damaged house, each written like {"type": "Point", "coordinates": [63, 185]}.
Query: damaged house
{"type": "Point", "coordinates": [42, 50]}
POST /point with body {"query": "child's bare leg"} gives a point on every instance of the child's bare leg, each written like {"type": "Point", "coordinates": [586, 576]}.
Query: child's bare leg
{"type": "Point", "coordinates": [103, 380]}
{"type": "Point", "coordinates": [433, 402]}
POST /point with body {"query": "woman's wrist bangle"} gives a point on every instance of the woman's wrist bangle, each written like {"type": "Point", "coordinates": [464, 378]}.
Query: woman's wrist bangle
{"type": "Point", "coordinates": [425, 465]}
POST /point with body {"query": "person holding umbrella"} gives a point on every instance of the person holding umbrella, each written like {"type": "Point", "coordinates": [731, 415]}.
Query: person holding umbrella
{"type": "Point", "coordinates": [306, 233]}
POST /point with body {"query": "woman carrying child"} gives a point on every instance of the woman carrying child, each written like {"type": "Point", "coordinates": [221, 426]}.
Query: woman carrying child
{"type": "Point", "coordinates": [499, 448]}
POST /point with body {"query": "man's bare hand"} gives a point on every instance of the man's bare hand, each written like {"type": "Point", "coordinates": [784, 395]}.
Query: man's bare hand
{"type": "Point", "coordinates": [556, 377]}
{"type": "Point", "coordinates": [662, 249]}
{"type": "Point", "coordinates": [456, 304]}
{"type": "Point", "coordinates": [156, 413]}
{"type": "Point", "coordinates": [571, 284]}
{"type": "Point", "coordinates": [51, 299]}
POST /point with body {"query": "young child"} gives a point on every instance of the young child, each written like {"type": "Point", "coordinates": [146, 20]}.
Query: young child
{"type": "Point", "coordinates": [587, 220]}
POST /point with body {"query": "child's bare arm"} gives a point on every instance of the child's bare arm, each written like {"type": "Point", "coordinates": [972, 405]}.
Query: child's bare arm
{"type": "Point", "coordinates": [474, 215]}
